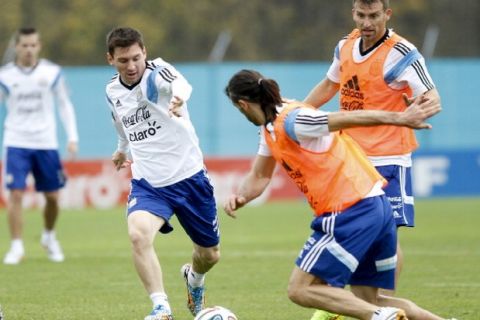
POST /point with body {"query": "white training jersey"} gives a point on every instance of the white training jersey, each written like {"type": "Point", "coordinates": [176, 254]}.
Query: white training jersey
{"type": "Point", "coordinates": [309, 128]}
{"type": "Point", "coordinates": [30, 96]}
{"type": "Point", "coordinates": [164, 149]}
{"type": "Point", "coordinates": [404, 66]}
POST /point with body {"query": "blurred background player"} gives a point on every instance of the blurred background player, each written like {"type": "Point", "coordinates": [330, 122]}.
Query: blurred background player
{"type": "Point", "coordinates": [30, 88]}
{"type": "Point", "coordinates": [148, 104]}
{"type": "Point", "coordinates": [354, 233]}
{"type": "Point", "coordinates": [372, 67]}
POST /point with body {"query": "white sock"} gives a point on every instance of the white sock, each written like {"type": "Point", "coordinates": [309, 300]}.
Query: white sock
{"type": "Point", "coordinates": [48, 235]}
{"type": "Point", "coordinates": [17, 244]}
{"type": "Point", "coordinates": [386, 313]}
{"type": "Point", "coordinates": [160, 298]}
{"type": "Point", "coordinates": [196, 279]}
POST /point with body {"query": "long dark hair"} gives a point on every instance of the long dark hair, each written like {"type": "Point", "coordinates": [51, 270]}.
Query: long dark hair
{"type": "Point", "coordinates": [251, 86]}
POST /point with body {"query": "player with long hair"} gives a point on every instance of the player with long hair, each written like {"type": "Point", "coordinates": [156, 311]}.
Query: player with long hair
{"type": "Point", "coordinates": [354, 233]}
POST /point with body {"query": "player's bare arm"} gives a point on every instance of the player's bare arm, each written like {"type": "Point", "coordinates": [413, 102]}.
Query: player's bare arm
{"type": "Point", "coordinates": [413, 117]}
{"type": "Point", "coordinates": [433, 96]}
{"type": "Point", "coordinates": [252, 186]}
{"type": "Point", "coordinates": [322, 93]}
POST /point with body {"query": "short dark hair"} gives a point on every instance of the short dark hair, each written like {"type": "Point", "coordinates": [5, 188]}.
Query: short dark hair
{"type": "Point", "coordinates": [386, 3]}
{"type": "Point", "coordinates": [25, 31]}
{"type": "Point", "coordinates": [123, 37]}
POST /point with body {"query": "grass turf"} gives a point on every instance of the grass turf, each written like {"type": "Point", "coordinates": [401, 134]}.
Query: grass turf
{"type": "Point", "coordinates": [98, 280]}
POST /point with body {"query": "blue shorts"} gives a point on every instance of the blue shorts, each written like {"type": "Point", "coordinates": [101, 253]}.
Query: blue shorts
{"type": "Point", "coordinates": [191, 200]}
{"type": "Point", "coordinates": [399, 193]}
{"type": "Point", "coordinates": [45, 165]}
{"type": "Point", "coordinates": [356, 246]}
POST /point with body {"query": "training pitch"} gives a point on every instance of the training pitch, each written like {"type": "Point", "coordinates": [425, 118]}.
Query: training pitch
{"type": "Point", "coordinates": [258, 250]}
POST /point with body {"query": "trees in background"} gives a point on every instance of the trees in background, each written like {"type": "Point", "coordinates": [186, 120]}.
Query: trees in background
{"type": "Point", "coordinates": [74, 31]}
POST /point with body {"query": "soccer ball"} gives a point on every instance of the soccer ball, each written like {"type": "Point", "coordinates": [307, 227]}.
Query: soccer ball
{"type": "Point", "coordinates": [216, 313]}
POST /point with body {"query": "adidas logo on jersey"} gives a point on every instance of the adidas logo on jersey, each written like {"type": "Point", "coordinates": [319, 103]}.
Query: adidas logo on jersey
{"type": "Point", "coordinates": [118, 103]}
{"type": "Point", "coordinates": [351, 96]}
{"type": "Point", "coordinates": [352, 89]}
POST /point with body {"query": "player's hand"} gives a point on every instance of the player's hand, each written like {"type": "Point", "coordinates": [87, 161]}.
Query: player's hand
{"type": "Point", "coordinates": [233, 203]}
{"type": "Point", "coordinates": [120, 160]}
{"type": "Point", "coordinates": [409, 100]}
{"type": "Point", "coordinates": [420, 110]}
{"type": "Point", "coordinates": [72, 150]}
{"type": "Point", "coordinates": [175, 107]}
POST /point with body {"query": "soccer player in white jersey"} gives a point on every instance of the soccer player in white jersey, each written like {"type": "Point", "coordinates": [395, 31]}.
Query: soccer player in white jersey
{"type": "Point", "coordinates": [30, 88]}
{"type": "Point", "coordinates": [372, 67]}
{"type": "Point", "coordinates": [148, 104]}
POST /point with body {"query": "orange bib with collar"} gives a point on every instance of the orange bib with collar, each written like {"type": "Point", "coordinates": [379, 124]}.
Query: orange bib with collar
{"type": "Point", "coordinates": [362, 87]}
{"type": "Point", "coordinates": [332, 180]}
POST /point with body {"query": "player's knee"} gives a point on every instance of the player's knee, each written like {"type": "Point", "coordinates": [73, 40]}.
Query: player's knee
{"type": "Point", "coordinates": [215, 256]}
{"type": "Point", "coordinates": [51, 197]}
{"type": "Point", "coordinates": [206, 257]}
{"type": "Point", "coordinates": [16, 196]}
{"type": "Point", "coordinates": [138, 239]}
{"type": "Point", "coordinates": [211, 256]}
{"type": "Point", "coordinates": [295, 293]}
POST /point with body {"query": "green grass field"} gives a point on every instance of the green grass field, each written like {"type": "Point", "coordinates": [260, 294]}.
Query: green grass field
{"type": "Point", "coordinates": [98, 281]}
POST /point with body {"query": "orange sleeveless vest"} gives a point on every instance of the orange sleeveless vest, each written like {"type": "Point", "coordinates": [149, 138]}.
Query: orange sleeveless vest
{"type": "Point", "coordinates": [332, 180]}
{"type": "Point", "coordinates": [362, 87]}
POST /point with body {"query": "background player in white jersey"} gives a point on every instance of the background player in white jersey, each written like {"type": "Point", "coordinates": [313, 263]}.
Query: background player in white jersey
{"type": "Point", "coordinates": [148, 104]}
{"type": "Point", "coordinates": [371, 69]}
{"type": "Point", "coordinates": [30, 88]}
